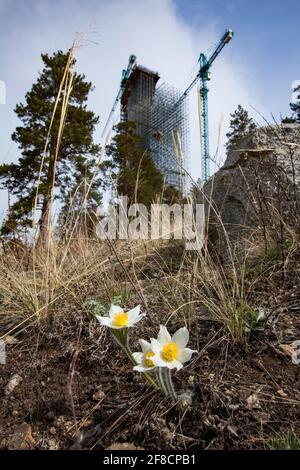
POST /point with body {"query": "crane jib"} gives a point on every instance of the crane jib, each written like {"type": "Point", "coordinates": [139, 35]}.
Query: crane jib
{"type": "Point", "coordinates": [125, 75]}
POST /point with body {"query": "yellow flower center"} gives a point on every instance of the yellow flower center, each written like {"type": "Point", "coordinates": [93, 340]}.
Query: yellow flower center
{"type": "Point", "coordinates": [120, 319]}
{"type": "Point", "coordinates": [147, 359]}
{"type": "Point", "coordinates": [170, 351]}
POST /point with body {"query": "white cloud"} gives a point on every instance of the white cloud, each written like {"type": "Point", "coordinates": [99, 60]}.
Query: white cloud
{"type": "Point", "coordinates": [148, 28]}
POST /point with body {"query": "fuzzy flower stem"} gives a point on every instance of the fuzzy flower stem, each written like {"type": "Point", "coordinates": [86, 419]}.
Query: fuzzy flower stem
{"type": "Point", "coordinates": [170, 385]}
{"type": "Point", "coordinates": [161, 382]}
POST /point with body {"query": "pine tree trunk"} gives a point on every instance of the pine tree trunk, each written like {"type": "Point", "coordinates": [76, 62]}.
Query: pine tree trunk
{"type": "Point", "coordinates": [44, 220]}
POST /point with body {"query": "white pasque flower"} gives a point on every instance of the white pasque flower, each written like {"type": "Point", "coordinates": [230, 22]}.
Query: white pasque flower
{"type": "Point", "coordinates": [144, 358]}
{"type": "Point", "coordinates": [118, 319]}
{"type": "Point", "coordinates": [171, 352]}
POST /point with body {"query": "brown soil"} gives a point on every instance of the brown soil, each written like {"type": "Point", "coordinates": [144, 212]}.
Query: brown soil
{"type": "Point", "coordinates": [80, 392]}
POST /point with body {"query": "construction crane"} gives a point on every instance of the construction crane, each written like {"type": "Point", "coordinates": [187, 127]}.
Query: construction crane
{"type": "Point", "coordinates": [204, 75]}
{"type": "Point", "coordinates": [125, 75]}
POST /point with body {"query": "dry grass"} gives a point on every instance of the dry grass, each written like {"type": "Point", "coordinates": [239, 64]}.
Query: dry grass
{"type": "Point", "coordinates": [39, 287]}
{"type": "Point", "coordinates": [41, 282]}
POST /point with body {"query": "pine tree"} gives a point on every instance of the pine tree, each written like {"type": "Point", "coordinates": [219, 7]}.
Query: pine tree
{"type": "Point", "coordinates": [132, 168]}
{"type": "Point", "coordinates": [240, 126]}
{"type": "Point", "coordinates": [77, 150]}
{"type": "Point", "coordinates": [288, 120]}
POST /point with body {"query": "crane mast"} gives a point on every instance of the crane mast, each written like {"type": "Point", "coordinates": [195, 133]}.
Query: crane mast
{"type": "Point", "coordinates": [204, 76]}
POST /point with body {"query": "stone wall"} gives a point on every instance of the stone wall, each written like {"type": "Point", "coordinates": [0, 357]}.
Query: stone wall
{"type": "Point", "coordinates": [258, 186]}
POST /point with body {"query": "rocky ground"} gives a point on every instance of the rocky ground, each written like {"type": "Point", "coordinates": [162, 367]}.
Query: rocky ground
{"type": "Point", "coordinates": [79, 391]}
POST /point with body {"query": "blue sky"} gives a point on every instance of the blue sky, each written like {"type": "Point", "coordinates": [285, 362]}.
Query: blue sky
{"type": "Point", "coordinates": [266, 37]}
{"type": "Point", "coordinates": [256, 69]}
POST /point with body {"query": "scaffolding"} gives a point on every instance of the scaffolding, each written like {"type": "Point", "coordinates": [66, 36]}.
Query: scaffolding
{"type": "Point", "coordinates": [140, 88]}
{"type": "Point", "coordinates": [162, 122]}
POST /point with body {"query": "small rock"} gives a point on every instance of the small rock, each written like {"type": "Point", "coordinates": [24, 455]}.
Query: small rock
{"type": "Point", "coordinates": [52, 444]}
{"type": "Point", "coordinates": [99, 394]}
{"type": "Point", "coordinates": [22, 438]}
{"type": "Point", "coordinates": [233, 406]}
{"type": "Point", "coordinates": [287, 349]}
{"type": "Point", "coordinates": [281, 393]}
{"type": "Point", "coordinates": [253, 402]}
{"type": "Point", "coordinates": [123, 446]}
{"type": "Point", "coordinates": [12, 384]}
